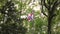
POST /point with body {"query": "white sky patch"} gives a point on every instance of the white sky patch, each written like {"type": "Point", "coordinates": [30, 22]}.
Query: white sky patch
{"type": "Point", "coordinates": [37, 8]}
{"type": "Point", "coordinates": [59, 24]}
{"type": "Point", "coordinates": [58, 8]}
{"type": "Point", "coordinates": [44, 32]}
{"type": "Point", "coordinates": [16, 6]}
{"type": "Point", "coordinates": [32, 5]}
{"type": "Point", "coordinates": [1, 22]}
{"type": "Point", "coordinates": [42, 15]}
{"type": "Point", "coordinates": [24, 16]}
{"type": "Point", "coordinates": [6, 11]}
{"type": "Point", "coordinates": [9, 0]}
{"type": "Point", "coordinates": [23, 11]}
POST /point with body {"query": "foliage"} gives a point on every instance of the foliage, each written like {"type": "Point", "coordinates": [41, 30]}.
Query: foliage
{"type": "Point", "coordinates": [11, 23]}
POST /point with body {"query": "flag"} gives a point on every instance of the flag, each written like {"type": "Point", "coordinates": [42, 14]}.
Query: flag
{"type": "Point", "coordinates": [30, 17]}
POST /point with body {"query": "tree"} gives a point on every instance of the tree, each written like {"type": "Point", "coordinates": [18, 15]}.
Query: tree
{"type": "Point", "coordinates": [51, 6]}
{"type": "Point", "coordinates": [12, 24]}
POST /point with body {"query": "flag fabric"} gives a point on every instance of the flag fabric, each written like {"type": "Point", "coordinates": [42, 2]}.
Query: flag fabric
{"type": "Point", "coordinates": [30, 17]}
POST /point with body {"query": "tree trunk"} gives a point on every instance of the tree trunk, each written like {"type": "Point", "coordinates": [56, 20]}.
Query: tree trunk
{"type": "Point", "coordinates": [49, 25]}
{"type": "Point", "coordinates": [49, 22]}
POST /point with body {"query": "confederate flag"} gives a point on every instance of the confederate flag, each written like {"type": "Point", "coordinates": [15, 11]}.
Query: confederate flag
{"type": "Point", "coordinates": [30, 17]}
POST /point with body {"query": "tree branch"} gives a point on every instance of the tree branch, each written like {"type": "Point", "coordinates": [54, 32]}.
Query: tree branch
{"type": "Point", "coordinates": [53, 15]}
{"type": "Point", "coordinates": [42, 9]}
{"type": "Point", "coordinates": [44, 14]}
{"type": "Point", "coordinates": [56, 3]}
{"type": "Point", "coordinates": [45, 4]}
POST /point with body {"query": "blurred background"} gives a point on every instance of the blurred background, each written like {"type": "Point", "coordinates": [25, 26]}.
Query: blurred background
{"type": "Point", "coordinates": [29, 16]}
